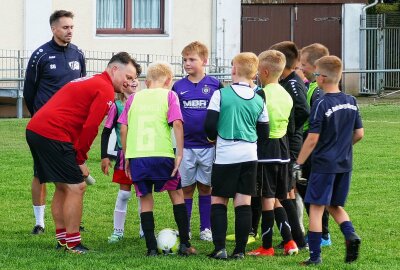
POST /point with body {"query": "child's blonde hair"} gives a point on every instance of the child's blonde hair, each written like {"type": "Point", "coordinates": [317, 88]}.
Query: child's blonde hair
{"type": "Point", "coordinates": [196, 47]}
{"type": "Point", "coordinates": [331, 68]}
{"type": "Point", "coordinates": [246, 64]}
{"type": "Point", "coordinates": [314, 52]}
{"type": "Point", "coordinates": [159, 72]}
{"type": "Point", "coordinates": [274, 61]}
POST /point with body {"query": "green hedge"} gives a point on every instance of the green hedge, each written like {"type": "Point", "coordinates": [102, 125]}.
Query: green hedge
{"type": "Point", "coordinates": [385, 8]}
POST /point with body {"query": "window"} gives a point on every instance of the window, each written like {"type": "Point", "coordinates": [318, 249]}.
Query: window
{"type": "Point", "coordinates": [130, 17]}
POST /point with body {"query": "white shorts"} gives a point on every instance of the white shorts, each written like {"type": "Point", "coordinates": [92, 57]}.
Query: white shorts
{"type": "Point", "coordinates": [196, 166]}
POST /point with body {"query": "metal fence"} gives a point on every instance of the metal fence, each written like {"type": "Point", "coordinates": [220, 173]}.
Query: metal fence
{"type": "Point", "coordinates": [381, 38]}
{"type": "Point", "coordinates": [13, 65]}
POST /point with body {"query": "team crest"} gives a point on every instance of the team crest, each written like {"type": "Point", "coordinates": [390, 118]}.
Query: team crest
{"type": "Point", "coordinates": [206, 89]}
{"type": "Point", "coordinates": [74, 65]}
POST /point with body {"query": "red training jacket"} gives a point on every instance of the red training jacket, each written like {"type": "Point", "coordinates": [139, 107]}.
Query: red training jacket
{"type": "Point", "coordinates": [75, 112]}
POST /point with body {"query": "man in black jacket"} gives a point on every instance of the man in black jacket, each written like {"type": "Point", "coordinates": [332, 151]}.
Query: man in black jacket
{"type": "Point", "coordinates": [50, 67]}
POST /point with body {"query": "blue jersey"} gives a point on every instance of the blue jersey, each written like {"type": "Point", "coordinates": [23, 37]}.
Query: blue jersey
{"type": "Point", "coordinates": [334, 117]}
{"type": "Point", "coordinates": [50, 67]}
{"type": "Point", "coordinates": [194, 99]}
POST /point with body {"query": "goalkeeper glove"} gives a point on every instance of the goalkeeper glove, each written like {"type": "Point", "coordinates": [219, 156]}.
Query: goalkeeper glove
{"type": "Point", "coordinates": [297, 174]}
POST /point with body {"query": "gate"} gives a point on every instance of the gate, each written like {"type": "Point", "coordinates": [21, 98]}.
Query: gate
{"type": "Point", "coordinates": [266, 24]}
{"type": "Point", "coordinates": [381, 38]}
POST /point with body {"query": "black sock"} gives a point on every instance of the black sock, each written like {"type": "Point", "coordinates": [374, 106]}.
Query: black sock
{"type": "Point", "coordinates": [267, 225]}
{"type": "Point", "coordinates": [256, 214]}
{"type": "Point", "coordinates": [242, 226]}
{"type": "Point", "coordinates": [283, 224]}
{"type": "Point", "coordinates": [219, 225]}
{"type": "Point", "coordinates": [293, 219]}
{"type": "Point", "coordinates": [181, 219]}
{"type": "Point", "coordinates": [325, 224]}
{"type": "Point", "coordinates": [147, 220]}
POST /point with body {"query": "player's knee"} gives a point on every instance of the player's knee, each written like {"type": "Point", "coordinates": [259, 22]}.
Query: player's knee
{"type": "Point", "coordinates": [124, 195]}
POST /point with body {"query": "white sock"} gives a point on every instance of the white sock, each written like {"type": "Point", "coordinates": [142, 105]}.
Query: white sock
{"type": "Point", "coordinates": [300, 210]}
{"type": "Point", "coordinates": [39, 214]}
{"type": "Point", "coordinates": [121, 206]}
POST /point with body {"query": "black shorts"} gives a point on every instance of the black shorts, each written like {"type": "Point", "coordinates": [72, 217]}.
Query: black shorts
{"type": "Point", "coordinates": [291, 181]}
{"type": "Point", "coordinates": [273, 179]}
{"type": "Point", "coordinates": [229, 179]}
{"type": "Point", "coordinates": [53, 160]}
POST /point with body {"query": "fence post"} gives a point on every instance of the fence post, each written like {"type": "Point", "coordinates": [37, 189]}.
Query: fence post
{"type": "Point", "coordinates": [19, 88]}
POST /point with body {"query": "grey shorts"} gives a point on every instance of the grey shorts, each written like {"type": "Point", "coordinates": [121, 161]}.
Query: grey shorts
{"type": "Point", "coordinates": [196, 166]}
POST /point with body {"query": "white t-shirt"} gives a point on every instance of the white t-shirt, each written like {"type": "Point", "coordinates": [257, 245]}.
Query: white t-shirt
{"type": "Point", "coordinates": [231, 151]}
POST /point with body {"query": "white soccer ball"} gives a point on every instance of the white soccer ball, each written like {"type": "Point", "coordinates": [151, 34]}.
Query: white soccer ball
{"type": "Point", "coordinates": [167, 241]}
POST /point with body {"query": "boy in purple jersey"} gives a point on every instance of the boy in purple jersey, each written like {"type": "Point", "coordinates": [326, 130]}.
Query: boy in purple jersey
{"type": "Point", "coordinates": [335, 125]}
{"type": "Point", "coordinates": [194, 92]}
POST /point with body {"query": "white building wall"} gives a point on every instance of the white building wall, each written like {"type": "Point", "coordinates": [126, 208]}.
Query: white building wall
{"type": "Point", "coordinates": [36, 23]}
{"type": "Point", "coordinates": [351, 46]}
{"type": "Point", "coordinates": [228, 28]}
{"type": "Point", "coordinates": [11, 28]}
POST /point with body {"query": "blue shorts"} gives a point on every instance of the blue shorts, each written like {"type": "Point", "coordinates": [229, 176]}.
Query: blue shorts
{"type": "Point", "coordinates": [153, 171]}
{"type": "Point", "coordinates": [328, 188]}
{"type": "Point", "coordinates": [145, 187]}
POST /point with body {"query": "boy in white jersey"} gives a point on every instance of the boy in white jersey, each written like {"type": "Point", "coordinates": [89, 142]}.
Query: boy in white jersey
{"type": "Point", "coordinates": [236, 119]}
{"type": "Point", "coordinates": [150, 161]}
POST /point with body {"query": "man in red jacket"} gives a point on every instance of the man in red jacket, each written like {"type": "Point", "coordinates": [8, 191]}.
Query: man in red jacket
{"type": "Point", "coordinates": [60, 134]}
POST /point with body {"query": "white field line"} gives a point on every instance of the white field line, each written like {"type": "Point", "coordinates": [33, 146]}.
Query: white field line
{"type": "Point", "coordinates": [380, 121]}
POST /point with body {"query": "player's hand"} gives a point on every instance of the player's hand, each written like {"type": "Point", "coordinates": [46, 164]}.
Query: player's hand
{"type": "Point", "coordinates": [297, 174]}
{"type": "Point", "coordinates": [105, 165]}
{"type": "Point", "coordinates": [84, 170]}
{"type": "Point", "coordinates": [178, 160]}
{"type": "Point", "coordinates": [128, 169]}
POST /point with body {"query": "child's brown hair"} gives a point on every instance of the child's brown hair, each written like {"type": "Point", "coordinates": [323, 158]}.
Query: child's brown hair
{"type": "Point", "coordinates": [314, 52]}
{"type": "Point", "coordinates": [274, 61]}
{"type": "Point", "coordinates": [246, 64]}
{"type": "Point", "coordinates": [331, 68]}
{"type": "Point", "coordinates": [196, 47]}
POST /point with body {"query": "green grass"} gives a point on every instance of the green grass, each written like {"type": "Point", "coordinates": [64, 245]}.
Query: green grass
{"type": "Point", "coordinates": [372, 205]}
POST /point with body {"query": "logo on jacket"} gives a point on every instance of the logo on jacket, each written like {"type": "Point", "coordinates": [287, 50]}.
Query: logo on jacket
{"type": "Point", "coordinates": [74, 65]}
{"type": "Point", "coordinates": [109, 103]}
{"type": "Point", "coordinates": [206, 89]}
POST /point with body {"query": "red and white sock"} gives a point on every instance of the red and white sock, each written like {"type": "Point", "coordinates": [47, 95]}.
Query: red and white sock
{"type": "Point", "coordinates": [60, 235]}
{"type": "Point", "coordinates": [73, 239]}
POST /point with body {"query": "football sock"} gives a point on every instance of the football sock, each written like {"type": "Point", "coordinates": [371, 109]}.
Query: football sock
{"type": "Point", "coordinates": [147, 220]}
{"type": "Point", "coordinates": [314, 243]}
{"type": "Point", "coordinates": [181, 219]}
{"type": "Point", "coordinates": [242, 227]}
{"type": "Point", "coordinates": [325, 224]}
{"type": "Point", "coordinates": [267, 225]}
{"type": "Point", "coordinates": [205, 212]}
{"type": "Point", "coordinates": [347, 229]}
{"type": "Point", "coordinates": [300, 210]}
{"type": "Point", "coordinates": [39, 214]}
{"type": "Point", "coordinates": [293, 219]}
{"type": "Point", "coordinates": [121, 206]}
{"type": "Point", "coordinates": [189, 205]}
{"type": "Point", "coordinates": [219, 225]}
{"type": "Point", "coordinates": [256, 210]}
{"type": "Point", "coordinates": [61, 235]}
{"type": "Point", "coordinates": [73, 239]}
{"type": "Point", "coordinates": [283, 224]}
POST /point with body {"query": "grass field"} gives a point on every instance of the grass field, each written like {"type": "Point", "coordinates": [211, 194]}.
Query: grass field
{"type": "Point", "coordinates": [372, 204]}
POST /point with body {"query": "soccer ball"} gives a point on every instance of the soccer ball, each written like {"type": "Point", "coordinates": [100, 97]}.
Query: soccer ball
{"type": "Point", "coordinates": [167, 241]}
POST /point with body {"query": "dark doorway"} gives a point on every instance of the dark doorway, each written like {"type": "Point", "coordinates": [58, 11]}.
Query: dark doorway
{"type": "Point", "coordinates": [265, 25]}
